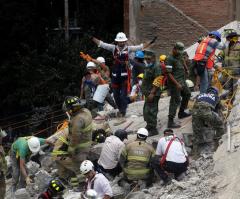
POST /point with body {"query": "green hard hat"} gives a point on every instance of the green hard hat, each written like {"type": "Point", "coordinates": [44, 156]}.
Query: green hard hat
{"type": "Point", "coordinates": [179, 46]}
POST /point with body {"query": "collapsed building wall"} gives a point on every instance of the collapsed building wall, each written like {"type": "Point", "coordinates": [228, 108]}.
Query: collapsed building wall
{"type": "Point", "coordinates": [175, 20]}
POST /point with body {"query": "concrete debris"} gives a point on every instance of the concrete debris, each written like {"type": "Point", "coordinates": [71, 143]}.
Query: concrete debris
{"type": "Point", "coordinates": [207, 177]}
{"type": "Point", "coordinates": [42, 179]}
{"type": "Point", "coordinates": [22, 194]}
{"type": "Point", "coordinates": [72, 195]}
{"type": "Point", "coordinates": [32, 168]}
{"type": "Point", "coordinates": [47, 163]}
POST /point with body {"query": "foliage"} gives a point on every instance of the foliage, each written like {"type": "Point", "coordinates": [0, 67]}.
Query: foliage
{"type": "Point", "coordinates": [37, 67]}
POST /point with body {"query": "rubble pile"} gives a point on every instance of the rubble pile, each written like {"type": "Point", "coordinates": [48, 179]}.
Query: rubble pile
{"type": "Point", "coordinates": [195, 184]}
{"type": "Point", "coordinates": [209, 177]}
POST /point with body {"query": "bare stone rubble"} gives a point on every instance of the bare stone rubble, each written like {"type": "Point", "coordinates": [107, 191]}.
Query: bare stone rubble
{"type": "Point", "coordinates": [196, 184]}
{"type": "Point", "coordinates": [22, 194]}
{"type": "Point", "coordinates": [32, 167]}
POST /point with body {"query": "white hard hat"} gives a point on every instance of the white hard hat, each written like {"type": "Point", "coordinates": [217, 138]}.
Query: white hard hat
{"type": "Point", "coordinates": [34, 144]}
{"type": "Point", "coordinates": [142, 131]}
{"type": "Point", "coordinates": [91, 65]}
{"type": "Point", "coordinates": [86, 166]}
{"type": "Point", "coordinates": [90, 194]}
{"type": "Point", "coordinates": [121, 37]}
{"type": "Point", "coordinates": [189, 83]}
{"type": "Point", "coordinates": [101, 59]}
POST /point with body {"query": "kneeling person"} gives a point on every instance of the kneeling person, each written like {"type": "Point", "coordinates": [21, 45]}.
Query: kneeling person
{"type": "Point", "coordinates": [174, 158]}
{"type": "Point", "coordinates": [135, 158]}
{"type": "Point", "coordinates": [111, 151]}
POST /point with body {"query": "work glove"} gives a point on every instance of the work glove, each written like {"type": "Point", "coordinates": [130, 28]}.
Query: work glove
{"type": "Point", "coordinates": [28, 180]}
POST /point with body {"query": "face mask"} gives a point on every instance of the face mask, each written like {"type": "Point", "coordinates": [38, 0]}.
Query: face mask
{"type": "Point", "coordinates": [234, 39]}
{"type": "Point", "coordinates": [149, 65]}
{"type": "Point", "coordinates": [140, 82]}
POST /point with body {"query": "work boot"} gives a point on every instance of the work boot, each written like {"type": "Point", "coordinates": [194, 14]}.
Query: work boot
{"type": "Point", "coordinates": [172, 124]}
{"type": "Point", "coordinates": [183, 114]}
{"type": "Point", "coordinates": [195, 152]}
{"type": "Point", "coordinates": [152, 131]}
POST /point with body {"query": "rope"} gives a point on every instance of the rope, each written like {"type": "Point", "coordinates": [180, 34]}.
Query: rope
{"type": "Point", "coordinates": [16, 115]}
{"type": "Point", "coordinates": [227, 102]}
{"type": "Point", "coordinates": [36, 122]}
{"type": "Point", "coordinates": [13, 124]}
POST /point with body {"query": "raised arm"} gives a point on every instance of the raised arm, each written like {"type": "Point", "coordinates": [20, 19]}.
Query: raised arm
{"type": "Point", "coordinates": [104, 45]}
{"type": "Point", "coordinates": [142, 46]}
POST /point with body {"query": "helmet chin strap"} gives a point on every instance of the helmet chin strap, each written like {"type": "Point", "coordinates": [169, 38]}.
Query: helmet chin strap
{"type": "Point", "coordinates": [68, 115]}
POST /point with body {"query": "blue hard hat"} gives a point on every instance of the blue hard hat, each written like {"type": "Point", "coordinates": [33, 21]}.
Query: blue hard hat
{"type": "Point", "coordinates": [139, 54]}
{"type": "Point", "coordinates": [216, 34]}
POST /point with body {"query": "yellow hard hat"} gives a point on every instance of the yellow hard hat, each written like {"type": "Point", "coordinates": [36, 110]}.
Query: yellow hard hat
{"type": "Point", "coordinates": [140, 76]}
{"type": "Point", "coordinates": [162, 57]}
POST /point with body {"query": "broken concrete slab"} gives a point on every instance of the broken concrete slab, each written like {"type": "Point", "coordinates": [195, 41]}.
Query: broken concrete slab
{"type": "Point", "coordinates": [22, 194]}
{"type": "Point", "coordinates": [32, 167]}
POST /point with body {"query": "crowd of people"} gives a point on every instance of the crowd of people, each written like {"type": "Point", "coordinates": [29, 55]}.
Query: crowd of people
{"type": "Point", "coordinates": [132, 78]}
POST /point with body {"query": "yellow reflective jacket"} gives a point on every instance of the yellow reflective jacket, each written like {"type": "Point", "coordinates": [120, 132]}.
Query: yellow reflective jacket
{"type": "Point", "coordinates": [137, 157]}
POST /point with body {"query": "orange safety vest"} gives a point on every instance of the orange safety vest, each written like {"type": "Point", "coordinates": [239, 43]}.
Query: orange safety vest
{"type": "Point", "coordinates": [201, 53]}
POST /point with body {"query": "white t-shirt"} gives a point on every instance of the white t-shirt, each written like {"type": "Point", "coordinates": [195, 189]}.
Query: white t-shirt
{"type": "Point", "coordinates": [111, 152]}
{"type": "Point", "coordinates": [101, 185]}
{"type": "Point", "coordinates": [176, 153]}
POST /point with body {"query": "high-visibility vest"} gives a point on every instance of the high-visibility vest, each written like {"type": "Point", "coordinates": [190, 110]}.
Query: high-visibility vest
{"type": "Point", "coordinates": [205, 53]}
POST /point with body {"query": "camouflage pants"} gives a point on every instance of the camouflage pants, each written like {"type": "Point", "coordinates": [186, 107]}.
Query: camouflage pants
{"type": "Point", "coordinates": [150, 111]}
{"type": "Point", "coordinates": [204, 116]}
{"type": "Point", "coordinates": [175, 100]}
{"type": "Point", "coordinates": [2, 186]}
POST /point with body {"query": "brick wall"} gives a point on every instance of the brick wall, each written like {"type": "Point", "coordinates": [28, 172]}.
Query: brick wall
{"type": "Point", "coordinates": [212, 14]}
{"type": "Point", "coordinates": [179, 20]}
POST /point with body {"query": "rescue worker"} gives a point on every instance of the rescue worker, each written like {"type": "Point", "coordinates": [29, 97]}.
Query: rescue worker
{"type": "Point", "coordinates": [177, 86]}
{"type": "Point", "coordinates": [151, 92]}
{"type": "Point", "coordinates": [20, 152]}
{"type": "Point", "coordinates": [104, 71]}
{"type": "Point", "coordinates": [136, 92]}
{"type": "Point", "coordinates": [3, 166]}
{"type": "Point", "coordinates": [138, 66]}
{"type": "Point", "coordinates": [205, 112]}
{"type": "Point", "coordinates": [231, 57]}
{"type": "Point", "coordinates": [171, 156]}
{"type": "Point", "coordinates": [108, 161]}
{"type": "Point", "coordinates": [55, 189]}
{"type": "Point", "coordinates": [80, 137]}
{"type": "Point", "coordinates": [232, 52]}
{"type": "Point", "coordinates": [88, 87]}
{"type": "Point", "coordinates": [204, 59]}
{"type": "Point", "coordinates": [135, 159]}
{"type": "Point", "coordinates": [96, 181]}
{"type": "Point", "coordinates": [120, 71]}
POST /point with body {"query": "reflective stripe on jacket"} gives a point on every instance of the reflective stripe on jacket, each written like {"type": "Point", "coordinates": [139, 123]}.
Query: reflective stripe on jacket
{"type": "Point", "coordinates": [205, 52]}
{"type": "Point", "coordinates": [137, 155]}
